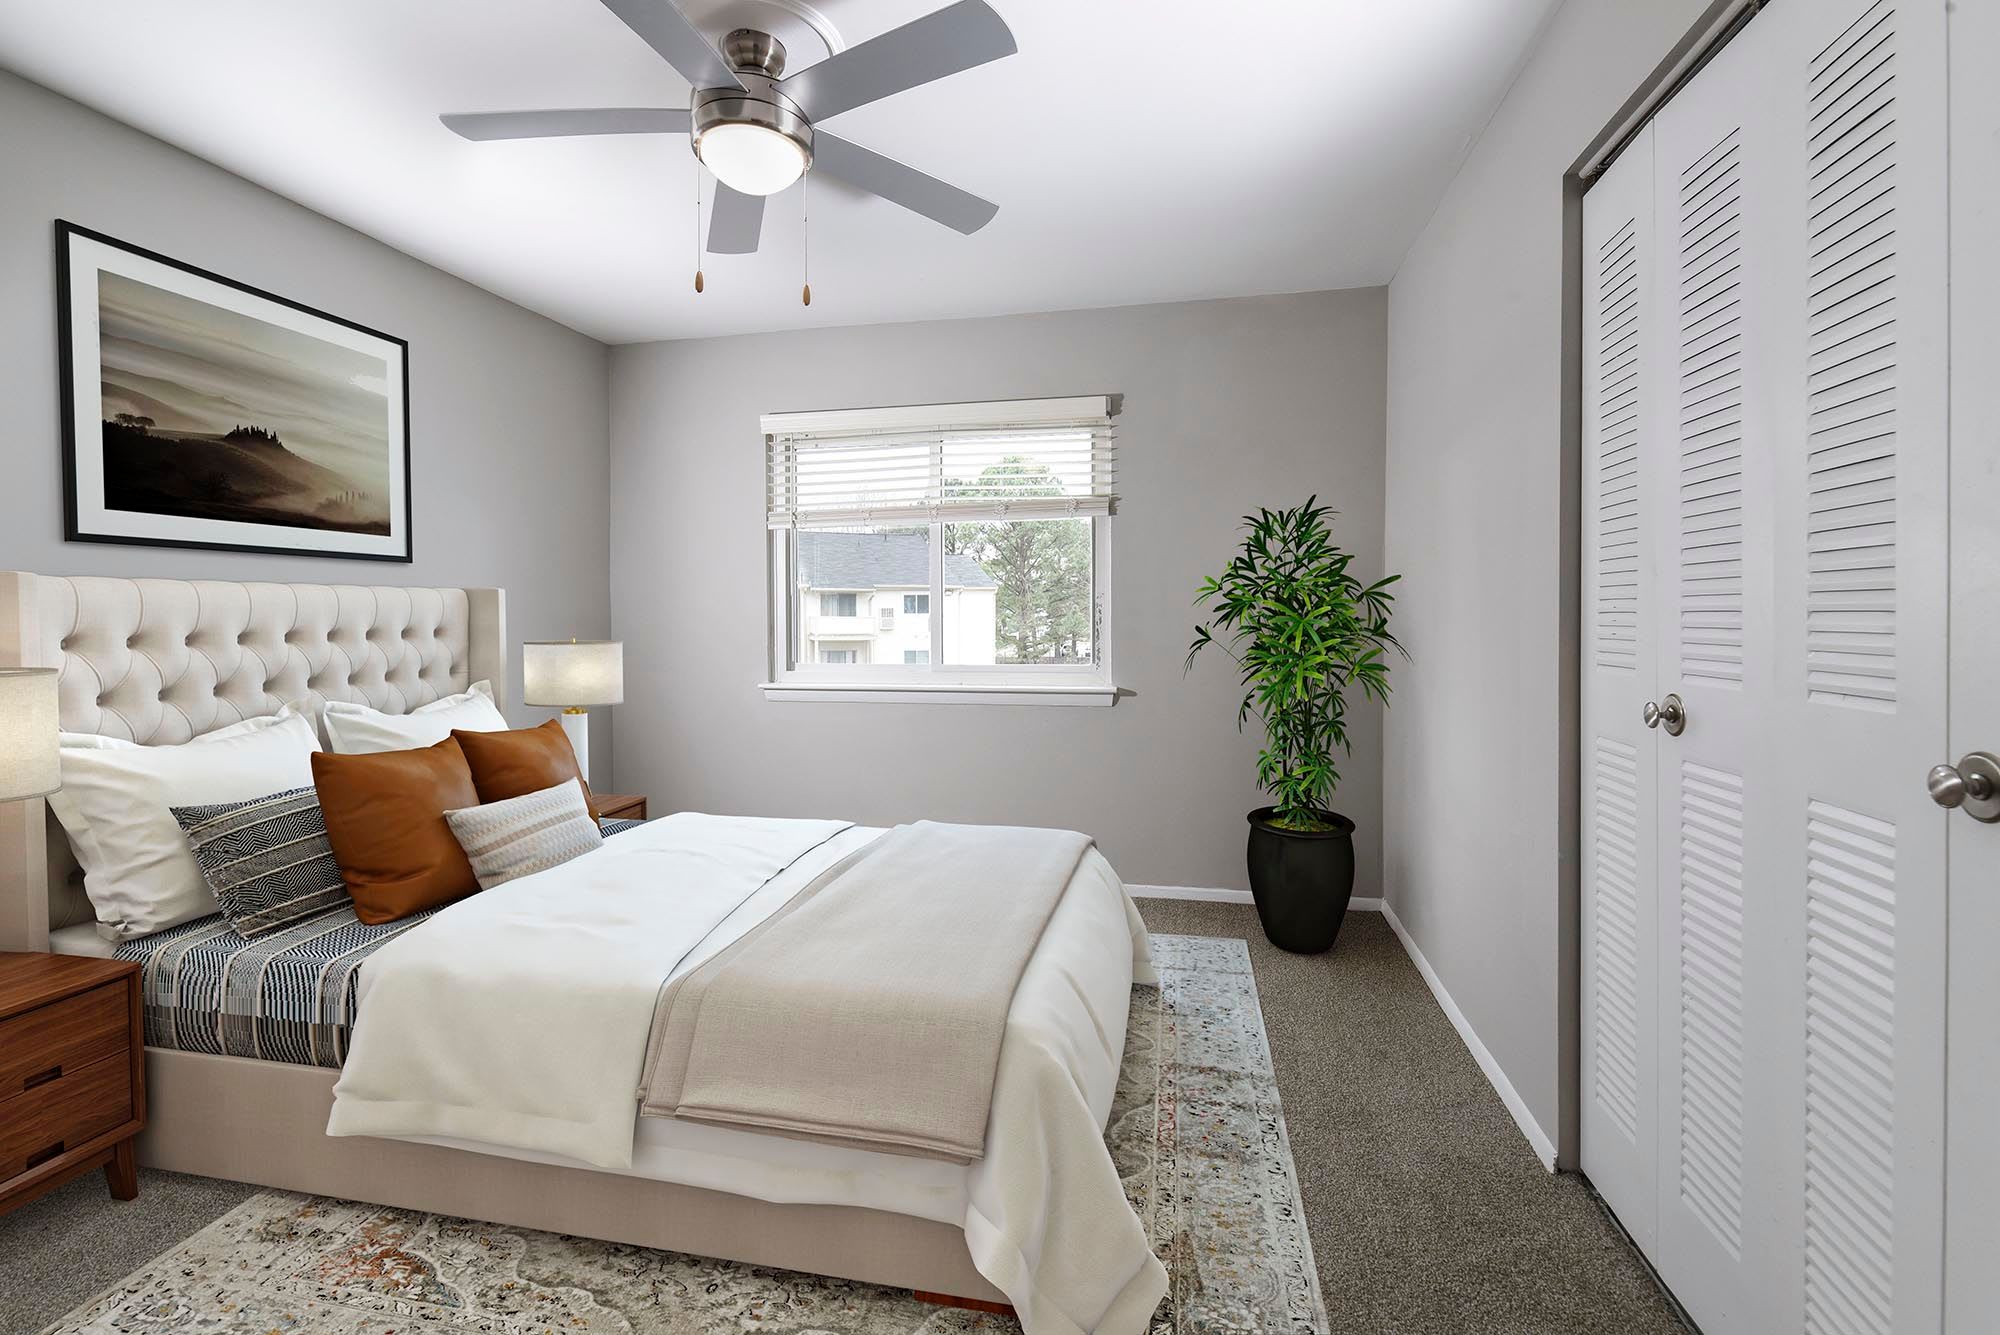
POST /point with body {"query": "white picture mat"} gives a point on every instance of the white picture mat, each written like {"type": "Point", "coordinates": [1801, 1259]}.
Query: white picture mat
{"type": "Point", "coordinates": [87, 256]}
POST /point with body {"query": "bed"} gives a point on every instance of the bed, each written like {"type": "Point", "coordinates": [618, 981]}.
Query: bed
{"type": "Point", "coordinates": [246, 1040]}
{"type": "Point", "coordinates": [289, 996]}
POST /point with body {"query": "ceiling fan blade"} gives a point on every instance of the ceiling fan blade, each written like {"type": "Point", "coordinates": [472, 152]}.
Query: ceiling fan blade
{"type": "Point", "coordinates": [917, 191]}
{"type": "Point", "coordinates": [559, 122]}
{"type": "Point", "coordinates": [680, 44]}
{"type": "Point", "coordinates": [957, 37]}
{"type": "Point", "coordinates": [735, 221]}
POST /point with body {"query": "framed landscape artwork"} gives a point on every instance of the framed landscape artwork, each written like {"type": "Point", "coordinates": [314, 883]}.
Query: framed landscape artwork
{"type": "Point", "coordinates": [201, 412]}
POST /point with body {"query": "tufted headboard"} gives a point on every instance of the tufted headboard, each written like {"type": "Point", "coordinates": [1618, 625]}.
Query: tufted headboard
{"type": "Point", "coordinates": [159, 661]}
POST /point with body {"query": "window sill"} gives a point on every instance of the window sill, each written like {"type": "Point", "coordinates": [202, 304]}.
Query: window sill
{"type": "Point", "coordinates": [822, 692]}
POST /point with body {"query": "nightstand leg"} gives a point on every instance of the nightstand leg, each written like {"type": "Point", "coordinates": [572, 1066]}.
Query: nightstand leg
{"type": "Point", "coordinates": [122, 1173]}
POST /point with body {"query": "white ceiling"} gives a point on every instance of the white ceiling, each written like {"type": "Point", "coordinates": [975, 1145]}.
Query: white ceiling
{"type": "Point", "coordinates": [1140, 150]}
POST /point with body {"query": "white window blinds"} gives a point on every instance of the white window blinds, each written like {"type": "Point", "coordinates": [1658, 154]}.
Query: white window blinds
{"type": "Point", "coordinates": [1025, 459]}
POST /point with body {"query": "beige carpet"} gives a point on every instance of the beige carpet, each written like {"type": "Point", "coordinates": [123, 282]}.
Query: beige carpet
{"type": "Point", "coordinates": [1428, 1211]}
{"type": "Point", "coordinates": [1430, 1215]}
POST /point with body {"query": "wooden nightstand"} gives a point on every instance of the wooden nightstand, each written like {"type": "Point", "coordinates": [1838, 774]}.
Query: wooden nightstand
{"type": "Point", "coordinates": [72, 1073]}
{"type": "Point", "coordinates": [620, 806]}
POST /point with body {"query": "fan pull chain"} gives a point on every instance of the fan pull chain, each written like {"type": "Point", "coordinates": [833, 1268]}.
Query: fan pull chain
{"type": "Point", "coordinates": [805, 225]}
{"type": "Point", "coordinates": [699, 246]}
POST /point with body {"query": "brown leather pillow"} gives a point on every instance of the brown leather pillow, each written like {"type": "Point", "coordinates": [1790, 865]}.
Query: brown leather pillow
{"type": "Point", "coordinates": [385, 819]}
{"type": "Point", "coordinates": [523, 761]}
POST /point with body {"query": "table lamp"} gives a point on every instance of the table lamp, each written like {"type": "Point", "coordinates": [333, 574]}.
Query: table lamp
{"type": "Point", "coordinates": [29, 763]}
{"type": "Point", "coordinates": [572, 675]}
{"type": "Point", "coordinates": [29, 767]}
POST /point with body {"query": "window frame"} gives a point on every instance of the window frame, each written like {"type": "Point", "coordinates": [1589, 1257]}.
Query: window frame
{"type": "Point", "coordinates": [937, 682]}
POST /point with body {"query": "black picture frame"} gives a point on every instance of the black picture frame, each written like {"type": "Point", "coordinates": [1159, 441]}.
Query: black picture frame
{"type": "Point", "coordinates": [399, 548]}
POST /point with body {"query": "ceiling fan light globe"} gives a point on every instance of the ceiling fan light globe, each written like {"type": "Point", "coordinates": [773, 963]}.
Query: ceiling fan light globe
{"type": "Point", "coordinates": [750, 158]}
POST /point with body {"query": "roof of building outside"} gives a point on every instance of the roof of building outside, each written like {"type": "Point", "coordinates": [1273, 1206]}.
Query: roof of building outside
{"type": "Point", "coordinates": [880, 560]}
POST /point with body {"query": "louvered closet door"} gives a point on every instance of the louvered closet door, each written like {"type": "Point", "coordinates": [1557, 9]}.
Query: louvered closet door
{"type": "Point", "coordinates": [1862, 577]}
{"type": "Point", "coordinates": [1765, 892]}
{"type": "Point", "coordinates": [1621, 428]}
{"type": "Point", "coordinates": [1713, 486]}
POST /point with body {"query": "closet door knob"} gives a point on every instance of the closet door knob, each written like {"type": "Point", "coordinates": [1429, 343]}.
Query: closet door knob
{"type": "Point", "coordinates": [1669, 714]}
{"type": "Point", "coordinates": [1971, 786]}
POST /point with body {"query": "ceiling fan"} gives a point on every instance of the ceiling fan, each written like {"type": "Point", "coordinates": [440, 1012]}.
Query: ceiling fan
{"type": "Point", "coordinates": [756, 130]}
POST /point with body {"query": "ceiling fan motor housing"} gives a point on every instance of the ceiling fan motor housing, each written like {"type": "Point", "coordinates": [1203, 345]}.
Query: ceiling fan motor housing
{"type": "Point", "coordinates": [749, 51]}
{"type": "Point", "coordinates": [758, 59]}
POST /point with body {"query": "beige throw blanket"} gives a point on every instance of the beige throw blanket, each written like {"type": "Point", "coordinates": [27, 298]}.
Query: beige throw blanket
{"type": "Point", "coordinates": [870, 1011]}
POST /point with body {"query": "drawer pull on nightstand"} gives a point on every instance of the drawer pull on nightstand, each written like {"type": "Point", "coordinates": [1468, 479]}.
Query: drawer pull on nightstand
{"type": "Point", "coordinates": [44, 1155]}
{"type": "Point", "coordinates": [42, 1077]}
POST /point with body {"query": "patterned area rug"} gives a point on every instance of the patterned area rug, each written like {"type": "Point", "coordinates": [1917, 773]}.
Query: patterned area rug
{"type": "Point", "coordinates": [1196, 1132]}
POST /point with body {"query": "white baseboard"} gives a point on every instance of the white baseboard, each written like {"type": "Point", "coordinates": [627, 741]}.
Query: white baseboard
{"type": "Point", "coordinates": [1216, 895]}
{"type": "Point", "coordinates": [1538, 1139]}
{"type": "Point", "coordinates": [1206, 894]}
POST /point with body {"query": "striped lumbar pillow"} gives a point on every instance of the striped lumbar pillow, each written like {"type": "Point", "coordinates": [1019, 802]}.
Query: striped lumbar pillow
{"type": "Point", "coordinates": [530, 833]}
{"type": "Point", "coordinates": [267, 860]}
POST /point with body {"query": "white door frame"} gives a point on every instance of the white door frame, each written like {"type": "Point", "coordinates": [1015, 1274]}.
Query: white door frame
{"type": "Point", "coordinates": [1972, 1079]}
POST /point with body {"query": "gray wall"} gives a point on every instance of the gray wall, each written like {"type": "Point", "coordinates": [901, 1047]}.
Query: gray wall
{"type": "Point", "coordinates": [1227, 405]}
{"type": "Point", "coordinates": [1477, 818]}
{"type": "Point", "coordinates": [507, 411]}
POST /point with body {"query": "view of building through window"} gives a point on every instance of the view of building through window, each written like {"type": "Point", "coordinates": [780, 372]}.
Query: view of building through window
{"type": "Point", "coordinates": [1014, 591]}
{"type": "Point", "coordinates": [858, 591]}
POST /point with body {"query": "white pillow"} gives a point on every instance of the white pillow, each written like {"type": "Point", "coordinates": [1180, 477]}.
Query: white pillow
{"type": "Point", "coordinates": [72, 817]}
{"type": "Point", "coordinates": [358, 730]}
{"type": "Point", "coordinates": [116, 804]}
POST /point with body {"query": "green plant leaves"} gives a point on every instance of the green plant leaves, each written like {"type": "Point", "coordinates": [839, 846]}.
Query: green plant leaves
{"type": "Point", "coordinates": [1303, 631]}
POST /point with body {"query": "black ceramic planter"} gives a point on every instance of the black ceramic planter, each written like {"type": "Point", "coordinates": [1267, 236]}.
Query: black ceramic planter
{"type": "Point", "coordinates": [1301, 880]}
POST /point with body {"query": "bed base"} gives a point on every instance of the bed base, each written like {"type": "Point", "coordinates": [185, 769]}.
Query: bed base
{"type": "Point", "coordinates": [966, 1304]}
{"type": "Point", "coordinates": [263, 1123]}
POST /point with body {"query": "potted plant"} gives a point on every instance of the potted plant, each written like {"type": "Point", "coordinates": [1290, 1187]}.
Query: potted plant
{"type": "Point", "coordinates": [1304, 631]}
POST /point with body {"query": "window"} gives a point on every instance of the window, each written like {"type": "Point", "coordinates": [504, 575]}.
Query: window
{"type": "Point", "coordinates": [987, 524]}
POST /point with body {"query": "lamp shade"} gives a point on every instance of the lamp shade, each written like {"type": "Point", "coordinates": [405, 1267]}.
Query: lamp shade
{"type": "Point", "coordinates": [570, 673]}
{"type": "Point", "coordinates": [28, 756]}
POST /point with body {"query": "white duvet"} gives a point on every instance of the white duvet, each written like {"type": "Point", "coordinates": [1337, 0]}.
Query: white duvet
{"type": "Point", "coordinates": [515, 1023]}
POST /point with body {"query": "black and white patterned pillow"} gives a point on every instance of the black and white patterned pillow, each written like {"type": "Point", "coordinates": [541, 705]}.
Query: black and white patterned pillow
{"type": "Point", "coordinates": [268, 860]}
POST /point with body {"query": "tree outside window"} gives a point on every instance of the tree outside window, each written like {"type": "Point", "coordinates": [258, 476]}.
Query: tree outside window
{"type": "Point", "coordinates": [1042, 568]}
